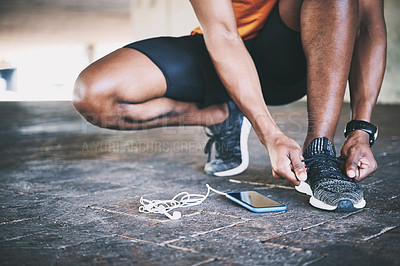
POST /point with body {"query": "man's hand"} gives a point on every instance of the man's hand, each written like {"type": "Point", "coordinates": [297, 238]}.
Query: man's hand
{"type": "Point", "coordinates": [360, 161]}
{"type": "Point", "coordinates": [286, 159]}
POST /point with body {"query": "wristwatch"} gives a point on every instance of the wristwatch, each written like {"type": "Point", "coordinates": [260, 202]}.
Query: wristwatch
{"type": "Point", "coordinates": [364, 126]}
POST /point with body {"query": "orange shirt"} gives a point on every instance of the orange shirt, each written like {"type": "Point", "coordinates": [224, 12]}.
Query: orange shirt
{"type": "Point", "coordinates": [251, 16]}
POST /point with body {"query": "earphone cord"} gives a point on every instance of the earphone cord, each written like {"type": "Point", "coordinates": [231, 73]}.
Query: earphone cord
{"type": "Point", "coordinates": [181, 200]}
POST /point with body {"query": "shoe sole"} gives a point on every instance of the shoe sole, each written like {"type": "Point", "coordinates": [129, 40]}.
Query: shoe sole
{"type": "Point", "coordinates": [343, 205]}
{"type": "Point", "coordinates": [244, 136]}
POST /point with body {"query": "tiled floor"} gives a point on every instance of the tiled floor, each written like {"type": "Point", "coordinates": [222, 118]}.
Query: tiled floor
{"type": "Point", "coordinates": [69, 194]}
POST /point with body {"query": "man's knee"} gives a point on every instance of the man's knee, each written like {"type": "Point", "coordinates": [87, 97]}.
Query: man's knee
{"type": "Point", "coordinates": [91, 96]}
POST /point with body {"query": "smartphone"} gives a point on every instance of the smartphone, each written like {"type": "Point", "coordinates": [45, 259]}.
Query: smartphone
{"type": "Point", "coordinates": [255, 202]}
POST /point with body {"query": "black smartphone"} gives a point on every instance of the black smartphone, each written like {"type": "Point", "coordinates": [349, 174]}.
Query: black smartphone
{"type": "Point", "coordinates": [256, 202]}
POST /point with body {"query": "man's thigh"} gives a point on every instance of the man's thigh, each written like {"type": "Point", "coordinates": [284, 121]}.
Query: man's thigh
{"type": "Point", "coordinates": [187, 68]}
{"type": "Point", "coordinates": [279, 57]}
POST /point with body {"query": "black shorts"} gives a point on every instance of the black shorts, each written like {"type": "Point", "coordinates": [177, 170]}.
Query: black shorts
{"type": "Point", "coordinates": [190, 74]}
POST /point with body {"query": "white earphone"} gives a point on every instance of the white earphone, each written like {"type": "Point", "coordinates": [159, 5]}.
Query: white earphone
{"type": "Point", "coordinates": [175, 215]}
{"type": "Point", "coordinates": [182, 200]}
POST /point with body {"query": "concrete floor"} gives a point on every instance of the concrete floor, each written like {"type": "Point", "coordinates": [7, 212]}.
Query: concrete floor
{"type": "Point", "coordinates": [69, 194]}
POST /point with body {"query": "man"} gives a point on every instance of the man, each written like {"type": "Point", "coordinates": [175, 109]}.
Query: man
{"type": "Point", "coordinates": [251, 53]}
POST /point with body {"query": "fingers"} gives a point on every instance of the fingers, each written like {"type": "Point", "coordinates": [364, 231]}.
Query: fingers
{"type": "Point", "coordinates": [360, 164]}
{"type": "Point", "coordinates": [285, 172]}
{"type": "Point", "coordinates": [291, 168]}
{"type": "Point", "coordinates": [298, 166]}
{"type": "Point", "coordinates": [367, 168]}
{"type": "Point", "coordinates": [352, 165]}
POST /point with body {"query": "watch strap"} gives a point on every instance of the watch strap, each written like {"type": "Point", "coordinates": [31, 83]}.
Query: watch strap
{"type": "Point", "coordinates": [364, 126]}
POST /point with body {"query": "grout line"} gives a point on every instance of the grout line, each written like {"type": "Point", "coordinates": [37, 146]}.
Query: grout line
{"type": "Point", "coordinates": [80, 243]}
{"type": "Point", "coordinates": [373, 183]}
{"type": "Point", "coordinates": [203, 233]}
{"type": "Point", "coordinates": [392, 163]}
{"type": "Point", "coordinates": [217, 229]}
{"type": "Point", "coordinates": [312, 261]}
{"type": "Point", "coordinates": [139, 240]}
{"type": "Point", "coordinates": [310, 226]}
{"type": "Point", "coordinates": [226, 215]}
{"type": "Point", "coordinates": [192, 214]}
{"type": "Point", "coordinates": [127, 214]}
{"type": "Point", "coordinates": [384, 230]}
{"type": "Point", "coordinates": [12, 191]}
{"type": "Point", "coordinates": [394, 197]}
{"type": "Point", "coordinates": [20, 237]}
{"type": "Point", "coordinates": [181, 248]}
{"type": "Point", "coordinates": [173, 240]}
{"type": "Point", "coordinates": [164, 244]}
{"type": "Point", "coordinates": [20, 220]}
{"type": "Point", "coordinates": [99, 192]}
{"type": "Point", "coordinates": [206, 261]}
{"type": "Point", "coordinates": [287, 247]}
{"type": "Point", "coordinates": [258, 184]}
{"type": "Point", "coordinates": [163, 221]}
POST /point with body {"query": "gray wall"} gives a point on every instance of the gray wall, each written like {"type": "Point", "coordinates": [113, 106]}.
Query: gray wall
{"type": "Point", "coordinates": [161, 17]}
{"type": "Point", "coordinates": [391, 84]}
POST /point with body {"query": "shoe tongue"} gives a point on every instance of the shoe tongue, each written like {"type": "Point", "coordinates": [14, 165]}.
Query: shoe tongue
{"type": "Point", "coordinates": [319, 146]}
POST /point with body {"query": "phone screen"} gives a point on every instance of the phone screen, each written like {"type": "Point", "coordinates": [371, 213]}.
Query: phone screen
{"type": "Point", "coordinates": [255, 199]}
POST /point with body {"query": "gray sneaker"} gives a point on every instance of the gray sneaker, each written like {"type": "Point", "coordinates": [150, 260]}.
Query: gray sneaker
{"type": "Point", "coordinates": [230, 138]}
{"type": "Point", "coordinates": [328, 187]}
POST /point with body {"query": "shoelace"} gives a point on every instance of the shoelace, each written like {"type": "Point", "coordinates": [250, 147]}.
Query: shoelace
{"type": "Point", "coordinates": [210, 142]}
{"type": "Point", "coordinates": [324, 158]}
{"type": "Point", "coordinates": [228, 138]}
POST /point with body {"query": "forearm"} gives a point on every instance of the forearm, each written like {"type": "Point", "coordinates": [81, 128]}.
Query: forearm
{"type": "Point", "coordinates": [234, 64]}
{"type": "Point", "coordinates": [367, 70]}
{"type": "Point", "coordinates": [239, 75]}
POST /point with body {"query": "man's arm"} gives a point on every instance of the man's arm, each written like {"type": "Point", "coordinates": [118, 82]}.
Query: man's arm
{"type": "Point", "coordinates": [365, 79]}
{"type": "Point", "coordinates": [237, 71]}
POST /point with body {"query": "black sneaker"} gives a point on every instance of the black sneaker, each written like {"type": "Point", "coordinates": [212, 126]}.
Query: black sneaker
{"type": "Point", "coordinates": [328, 187]}
{"type": "Point", "coordinates": [230, 138]}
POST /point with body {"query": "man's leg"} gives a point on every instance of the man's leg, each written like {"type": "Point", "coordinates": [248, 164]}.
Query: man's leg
{"type": "Point", "coordinates": [368, 61]}
{"type": "Point", "coordinates": [125, 89]}
{"type": "Point", "coordinates": [328, 30]}
{"type": "Point", "coordinates": [365, 81]}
